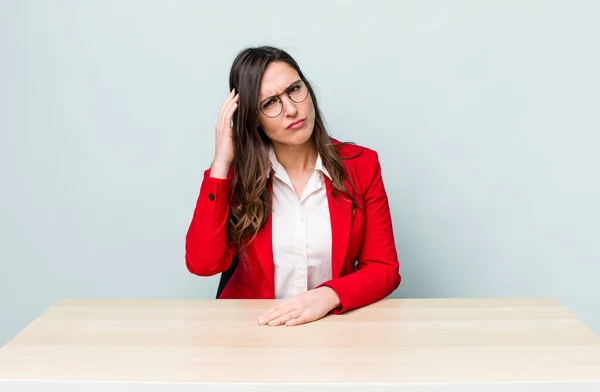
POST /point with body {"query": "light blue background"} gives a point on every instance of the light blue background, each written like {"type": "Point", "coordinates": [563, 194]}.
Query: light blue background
{"type": "Point", "coordinates": [485, 115]}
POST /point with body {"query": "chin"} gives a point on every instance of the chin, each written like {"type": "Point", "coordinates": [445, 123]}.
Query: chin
{"type": "Point", "coordinates": [300, 137]}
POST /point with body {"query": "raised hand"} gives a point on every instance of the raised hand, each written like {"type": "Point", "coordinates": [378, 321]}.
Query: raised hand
{"type": "Point", "coordinates": [224, 137]}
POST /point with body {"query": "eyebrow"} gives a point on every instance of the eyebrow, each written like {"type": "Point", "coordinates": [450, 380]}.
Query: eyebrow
{"type": "Point", "coordinates": [275, 95]}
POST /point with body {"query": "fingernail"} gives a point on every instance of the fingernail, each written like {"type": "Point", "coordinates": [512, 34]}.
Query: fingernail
{"type": "Point", "coordinates": [261, 320]}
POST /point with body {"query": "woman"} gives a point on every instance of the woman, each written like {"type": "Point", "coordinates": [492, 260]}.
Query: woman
{"type": "Point", "coordinates": [307, 216]}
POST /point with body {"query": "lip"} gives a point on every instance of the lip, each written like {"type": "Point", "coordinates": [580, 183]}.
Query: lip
{"type": "Point", "coordinates": [296, 124]}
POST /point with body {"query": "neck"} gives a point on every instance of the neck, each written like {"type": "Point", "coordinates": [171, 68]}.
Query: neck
{"type": "Point", "coordinates": [296, 159]}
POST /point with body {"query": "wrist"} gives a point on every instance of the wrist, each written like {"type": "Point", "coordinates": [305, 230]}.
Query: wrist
{"type": "Point", "coordinates": [332, 298]}
{"type": "Point", "coordinates": [219, 169]}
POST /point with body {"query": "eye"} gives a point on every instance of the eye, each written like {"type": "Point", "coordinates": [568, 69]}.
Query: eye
{"type": "Point", "coordinates": [268, 104]}
{"type": "Point", "coordinates": [295, 88]}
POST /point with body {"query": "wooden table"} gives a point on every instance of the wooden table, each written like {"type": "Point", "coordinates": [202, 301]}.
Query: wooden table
{"type": "Point", "coordinates": [410, 345]}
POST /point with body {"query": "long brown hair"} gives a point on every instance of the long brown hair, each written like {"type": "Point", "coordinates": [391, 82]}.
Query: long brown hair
{"type": "Point", "coordinates": [251, 191]}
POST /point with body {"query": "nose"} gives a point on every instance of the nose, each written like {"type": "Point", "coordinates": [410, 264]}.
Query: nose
{"type": "Point", "coordinates": [289, 106]}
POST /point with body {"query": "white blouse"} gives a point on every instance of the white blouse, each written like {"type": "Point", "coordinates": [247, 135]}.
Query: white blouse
{"type": "Point", "coordinates": [301, 232]}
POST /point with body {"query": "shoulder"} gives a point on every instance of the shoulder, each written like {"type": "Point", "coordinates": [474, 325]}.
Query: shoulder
{"type": "Point", "coordinates": [361, 164]}
{"type": "Point", "coordinates": [354, 154]}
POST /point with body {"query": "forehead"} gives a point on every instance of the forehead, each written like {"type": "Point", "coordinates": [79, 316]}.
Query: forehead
{"type": "Point", "coordinates": [276, 78]}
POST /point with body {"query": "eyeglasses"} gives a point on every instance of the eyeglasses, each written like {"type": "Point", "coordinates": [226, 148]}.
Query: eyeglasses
{"type": "Point", "coordinates": [272, 106]}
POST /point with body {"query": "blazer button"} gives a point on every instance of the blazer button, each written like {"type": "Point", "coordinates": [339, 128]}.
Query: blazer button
{"type": "Point", "coordinates": [211, 197]}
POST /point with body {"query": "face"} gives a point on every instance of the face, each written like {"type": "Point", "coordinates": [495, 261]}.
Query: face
{"type": "Point", "coordinates": [294, 125]}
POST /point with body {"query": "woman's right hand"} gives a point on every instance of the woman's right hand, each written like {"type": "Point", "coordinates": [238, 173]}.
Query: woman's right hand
{"type": "Point", "coordinates": [224, 138]}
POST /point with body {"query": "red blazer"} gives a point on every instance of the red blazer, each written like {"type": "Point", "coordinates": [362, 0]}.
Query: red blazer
{"type": "Point", "coordinates": [365, 265]}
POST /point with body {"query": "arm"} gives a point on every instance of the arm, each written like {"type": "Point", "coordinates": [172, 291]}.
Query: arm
{"type": "Point", "coordinates": [207, 249]}
{"type": "Point", "coordinates": [378, 267]}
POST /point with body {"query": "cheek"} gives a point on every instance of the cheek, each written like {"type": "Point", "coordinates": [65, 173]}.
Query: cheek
{"type": "Point", "coordinates": [311, 114]}
{"type": "Point", "coordinates": [270, 125]}
{"type": "Point", "coordinates": [311, 107]}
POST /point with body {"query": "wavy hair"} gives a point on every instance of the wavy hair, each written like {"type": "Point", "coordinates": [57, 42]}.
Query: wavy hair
{"type": "Point", "coordinates": [250, 197]}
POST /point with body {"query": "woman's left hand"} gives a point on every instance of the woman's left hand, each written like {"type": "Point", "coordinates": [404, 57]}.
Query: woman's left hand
{"type": "Point", "coordinates": [302, 308]}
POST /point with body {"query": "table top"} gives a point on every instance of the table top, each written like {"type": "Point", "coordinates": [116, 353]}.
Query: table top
{"type": "Point", "coordinates": [392, 341]}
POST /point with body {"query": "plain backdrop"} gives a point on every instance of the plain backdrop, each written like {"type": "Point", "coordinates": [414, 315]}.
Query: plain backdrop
{"type": "Point", "coordinates": [485, 115]}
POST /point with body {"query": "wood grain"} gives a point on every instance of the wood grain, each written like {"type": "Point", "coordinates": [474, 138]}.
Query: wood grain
{"type": "Point", "coordinates": [392, 341]}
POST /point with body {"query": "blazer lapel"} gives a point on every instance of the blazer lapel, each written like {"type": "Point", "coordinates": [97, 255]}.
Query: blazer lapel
{"type": "Point", "coordinates": [340, 213]}
{"type": "Point", "coordinates": [263, 246]}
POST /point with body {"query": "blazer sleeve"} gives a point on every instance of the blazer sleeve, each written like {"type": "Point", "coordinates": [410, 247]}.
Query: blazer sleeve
{"type": "Point", "coordinates": [378, 272]}
{"type": "Point", "coordinates": [207, 249]}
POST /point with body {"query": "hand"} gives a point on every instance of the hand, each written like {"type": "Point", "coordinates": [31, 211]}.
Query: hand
{"type": "Point", "coordinates": [224, 137]}
{"type": "Point", "coordinates": [302, 308]}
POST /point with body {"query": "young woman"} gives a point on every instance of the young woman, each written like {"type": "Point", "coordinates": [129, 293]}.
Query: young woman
{"type": "Point", "coordinates": [285, 211]}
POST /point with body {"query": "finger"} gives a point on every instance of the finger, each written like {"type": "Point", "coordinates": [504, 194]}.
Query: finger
{"type": "Point", "coordinates": [229, 115]}
{"type": "Point", "coordinates": [233, 101]}
{"type": "Point", "coordinates": [227, 112]}
{"type": "Point", "coordinates": [269, 315]}
{"type": "Point", "coordinates": [222, 108]}
{"type": "Point", "coordinates": [229, 97]}
{"type": "Point", "coordinates": [295, 321]}
{"type": "Point", "coordinates": [283, 319]}
{"type": "Point", "coordinates": [275, 312]}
